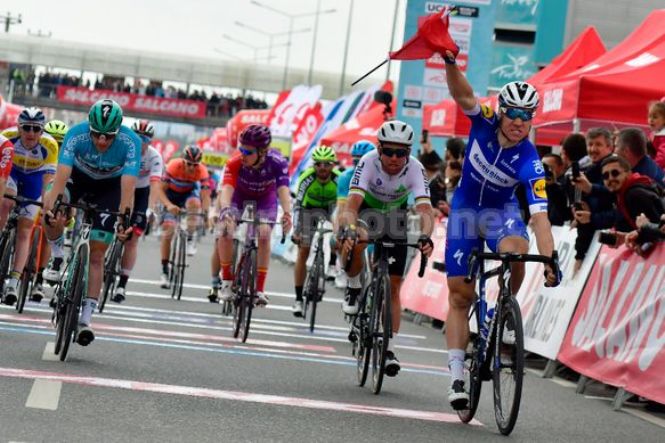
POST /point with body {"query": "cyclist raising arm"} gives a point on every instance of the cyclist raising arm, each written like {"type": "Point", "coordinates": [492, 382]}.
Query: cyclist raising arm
{"type": "Point", "coordinates": [254, 174]}
{"type": "Point", "coordinates": [484, 207]}
{"type": "Point", "coordinates": [379, 191]}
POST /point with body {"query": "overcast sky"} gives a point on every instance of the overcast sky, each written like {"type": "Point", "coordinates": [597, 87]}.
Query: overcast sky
{"type": "Point", "coordinates": [196, 27]}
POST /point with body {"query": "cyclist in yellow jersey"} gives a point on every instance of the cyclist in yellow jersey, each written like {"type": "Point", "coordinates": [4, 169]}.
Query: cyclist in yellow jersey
{"type": "Point", "coordinates": [34, 164]}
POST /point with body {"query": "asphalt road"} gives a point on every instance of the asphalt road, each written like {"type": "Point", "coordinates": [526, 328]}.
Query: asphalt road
{"type": "Point", "coordinates": [162, 370]}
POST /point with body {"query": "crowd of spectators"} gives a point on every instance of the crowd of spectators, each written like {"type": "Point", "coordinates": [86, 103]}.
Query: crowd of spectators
{"type": "Point", "coordinates": [218, 105]}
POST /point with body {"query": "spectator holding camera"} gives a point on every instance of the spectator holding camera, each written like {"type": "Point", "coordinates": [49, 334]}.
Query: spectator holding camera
{"type": "Point", "coordinates": [632, 146]}
{"type": "Point", "coordinates": [443, 185]}
{"type": "Point", "coordinates": [636, 195]}
{"type": "Point", "coordinates": [557, 209]}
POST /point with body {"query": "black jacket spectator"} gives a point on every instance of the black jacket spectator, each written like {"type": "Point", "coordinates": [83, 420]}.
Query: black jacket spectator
{"type": "Point", "coordinates": [632, 145]}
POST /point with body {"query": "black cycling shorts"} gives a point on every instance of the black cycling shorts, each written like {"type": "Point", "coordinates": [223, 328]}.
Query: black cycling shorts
{"type": "Point", "coordinates": [388, 226]}
{"type": "Point", "coordinates": [139, 218]}
{"type": "Point", "coordinates": [103, 193]}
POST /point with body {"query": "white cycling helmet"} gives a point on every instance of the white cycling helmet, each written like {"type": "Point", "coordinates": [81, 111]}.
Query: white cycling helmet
{"type": "Point", "coordinates": [395, 131]}
{"type": "Point", "coordinates": [518, 95]}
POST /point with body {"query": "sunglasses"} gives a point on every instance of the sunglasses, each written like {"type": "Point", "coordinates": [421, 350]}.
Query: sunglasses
{"type": "Point", "coordinates": [31, 128]}
{"type": "Point", "coordinates": [515, 113]}
{"type": "Point", "coordinates": [390, 152]}
{"type": "Point", "coordinates": [191, 164]}
{"type": "Point", "coordinates": [323, 164]}
{"type": "Point", "coordinates": [145, 138]}
{"type": "Point", "coordinates": [613, 172]}
{"type": "Point", "coordinates": [244, 151]}
{"type": "Point", "coordinates": [97, 134]}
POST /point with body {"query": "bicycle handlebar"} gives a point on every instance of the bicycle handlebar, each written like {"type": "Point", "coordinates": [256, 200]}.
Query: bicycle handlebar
{"type": "Point", "coordinates": [19, 199]}
{"type": "Point", "coordinates": [509, 257]}
{"type": "Point", "coordinates": [384, 243]}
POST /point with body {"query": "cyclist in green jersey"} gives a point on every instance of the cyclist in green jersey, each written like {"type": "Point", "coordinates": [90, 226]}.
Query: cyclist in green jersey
{"type": "Point", "coordinates": [316, 197]}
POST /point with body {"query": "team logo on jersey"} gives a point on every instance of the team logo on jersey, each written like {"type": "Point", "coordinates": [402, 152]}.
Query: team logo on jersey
{"type": "Point", "coordinates": [487, 111]}
{"type": "Point", "coordinates": [538, 188]}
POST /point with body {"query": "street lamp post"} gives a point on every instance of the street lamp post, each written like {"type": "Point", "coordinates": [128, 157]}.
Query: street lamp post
{"type": "Point", "coordinates": [270, 35]}
{"type": "Point", "coordinates": [346, 49]}
{"type": "Point", "coordinates": [11, 20]}
{"type": "Point", "coordinates": [292, 18]}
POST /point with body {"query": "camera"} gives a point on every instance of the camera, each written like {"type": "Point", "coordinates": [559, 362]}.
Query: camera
{"type": "Point", "coordinates": [608, 238]}
{"type": "Point", "coordinates": [549, 175]}
{"type": "Point", "coordinates": [576, 170]}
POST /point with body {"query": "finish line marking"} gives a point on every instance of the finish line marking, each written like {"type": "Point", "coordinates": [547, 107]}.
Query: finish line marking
{"type": "Point", "coordinates": [234, 395]}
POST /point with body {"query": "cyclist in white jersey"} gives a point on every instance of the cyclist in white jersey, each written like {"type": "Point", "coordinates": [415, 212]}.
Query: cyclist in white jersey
{"type": "Point", "coordinates": [378, 195]}
{"type": "Point", "coordinates": [148, 192]}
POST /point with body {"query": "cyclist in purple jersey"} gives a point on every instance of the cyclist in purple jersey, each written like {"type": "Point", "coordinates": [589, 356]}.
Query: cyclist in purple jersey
{"type": "Point", "coordinates": [484, 209]}
{"type": "Point", "coordinates": [259, 175]}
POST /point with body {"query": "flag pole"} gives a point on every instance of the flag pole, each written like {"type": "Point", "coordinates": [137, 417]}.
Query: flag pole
{"type": "Point", "coordinates": [370, 72]}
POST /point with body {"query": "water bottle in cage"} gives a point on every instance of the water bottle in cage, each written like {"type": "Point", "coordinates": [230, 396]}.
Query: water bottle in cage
{"type": "Point", "coordinates": [484, 329]}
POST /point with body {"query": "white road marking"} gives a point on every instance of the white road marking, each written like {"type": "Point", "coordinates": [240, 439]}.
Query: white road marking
{"type": "Point", "coordinates": [235, 396]}
{"type": "Point", "coordinates": [49, 352]}
{"type": "Point", "coordinates": [206, 287]}
{"type": "Point", "coordinates": [644, 416]}
{"type": "Point", "coordinates": [45, 394]}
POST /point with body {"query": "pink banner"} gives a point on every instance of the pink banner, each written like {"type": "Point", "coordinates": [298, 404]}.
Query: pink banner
{"type": "Point", "coordinates": [304, 134]}
{"type": "Point", "coordinates": [133, 102]}
{"type": "Point", "coordinates": [617, 334]}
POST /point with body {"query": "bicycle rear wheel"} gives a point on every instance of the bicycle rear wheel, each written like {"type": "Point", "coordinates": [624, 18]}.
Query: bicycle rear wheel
{"type": "Point", "coordinates": [474, 382]}
{"type": "Point", "coordinates": [29, 272]}
{"type": "Point", "coordinates": [249, 292]}
{"type": "Point", "coordinates": [380, 331]}
{"type": "Point", "coordinates": [110, 272]}
{"type": "Point", "coordinates": [75, 287]}
{"type": "Point", "coordinates": [182, 264]}
{"type": "Point", "coordinates": [508, 365]}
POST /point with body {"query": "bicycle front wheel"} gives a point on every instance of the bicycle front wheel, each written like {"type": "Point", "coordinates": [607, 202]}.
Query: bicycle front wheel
{"type": "Point", "coordinates": [28, 273]}
{"type": "Point", "coordinates": [7, 247]}
{"type": "Point", "coordinates": [182, 264]}
{"type": "Point", "coordinates": [173, 270]}
{"type": "Point", "coordinates": [473, 380]}
{"type": "Point", "coordinates": [74, 291]}
{"type": "Point", "coordinates": [508, 365]}
{"type": "Point", "coordinates": [363, 344]}
{"type": "Point", "coordinates": [248, 291]}
{"type": "Point", "coordinates": [381, 328]}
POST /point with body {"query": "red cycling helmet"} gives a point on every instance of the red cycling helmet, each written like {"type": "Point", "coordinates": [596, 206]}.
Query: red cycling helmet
{"type": "Point", "coordinates": [192, 154]}
{"type": "Point", "coordinates": [257, 136]}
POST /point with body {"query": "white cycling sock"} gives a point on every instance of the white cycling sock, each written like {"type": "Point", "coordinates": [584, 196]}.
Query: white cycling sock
{"type": "Point", "coordinates": [456, 364]}
{"type": "Point", "coordinates": [57, 250]}
{"type": "Point", "coordinates": [354, 282]}
{"type": "Point", "coordinates": [89, 306]}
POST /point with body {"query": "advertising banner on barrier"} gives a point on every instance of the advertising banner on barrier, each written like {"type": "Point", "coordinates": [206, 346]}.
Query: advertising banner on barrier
{"type": "Point", "coordinates": [546, 312]}
{"type": "Point", "coordinates": [617, 334]}
{"type": "Point", "coordinates": [134, 102]}
{"type": "Point", "coordinates": [289, 110]}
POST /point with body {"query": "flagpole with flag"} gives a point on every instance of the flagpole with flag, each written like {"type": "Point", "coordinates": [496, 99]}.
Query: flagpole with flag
{"type": "Point", "coordinates": [432, 37]}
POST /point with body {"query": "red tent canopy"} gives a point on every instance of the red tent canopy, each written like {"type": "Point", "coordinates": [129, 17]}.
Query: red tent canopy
{"type": "Point", "coordinates": [363, 127]}
{"type": "Point", "coordinates": [447, 119]}
{"type": "Point", "coordinates": [617, 87]}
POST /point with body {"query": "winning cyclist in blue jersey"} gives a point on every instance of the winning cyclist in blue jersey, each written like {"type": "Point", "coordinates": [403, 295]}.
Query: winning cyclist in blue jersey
{"type": "Point", "coordinates": [499, 157]}
{"type": "Point", "coordinates": [99, 164]}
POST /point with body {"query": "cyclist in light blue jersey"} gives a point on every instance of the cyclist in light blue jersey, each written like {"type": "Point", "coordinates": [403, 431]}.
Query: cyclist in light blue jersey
{"type": "Point", "coordinates": [499, 157]}
{"type": "Point", "coordinates": [98, 164]}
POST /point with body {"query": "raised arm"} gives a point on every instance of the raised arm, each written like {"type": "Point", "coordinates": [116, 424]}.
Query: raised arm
{"type": "Point", "coordinates": [458, 85]}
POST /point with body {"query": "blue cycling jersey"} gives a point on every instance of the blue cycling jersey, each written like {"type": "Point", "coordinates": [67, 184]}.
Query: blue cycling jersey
{"type": "Point", "coordinates": [122, 158]}
{"type": "Point", "coordinates": [344, 183]}
{"type": "Point", "coordinates": [491, 173]}
{"type": "Point", "coordinates": [484, 209]}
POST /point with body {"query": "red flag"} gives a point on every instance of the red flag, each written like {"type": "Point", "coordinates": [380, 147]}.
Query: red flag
{"type": "Point", "coordinates": [432, 36]}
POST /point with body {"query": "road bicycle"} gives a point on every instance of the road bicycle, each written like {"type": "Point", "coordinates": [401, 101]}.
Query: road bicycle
{"type": "Point", "coordinates": [315, 281]}
{"type": "Point", "coordinates": [497, 351]}
{"type": "Point", "coordinates": [245, 274]}
{"type": "Point", "coordinates": [178, 261]}
{"type": "Point", "coordinates": [35, 255]}
{"type": "Point", "coordinates": [371, 329]}
{"type": "Point", "coordinates": [70, 289]}
{"type": "Point", "coordinates": [112, 268]}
